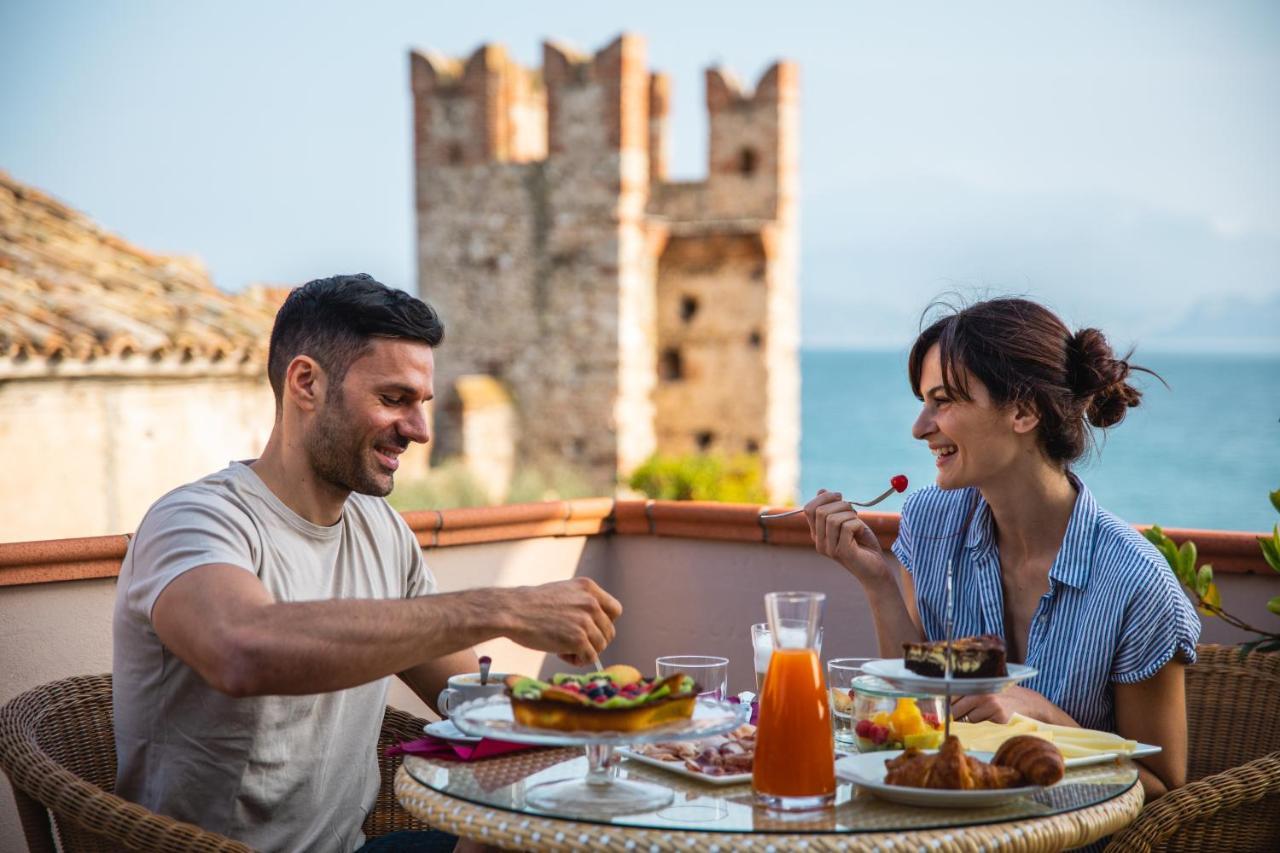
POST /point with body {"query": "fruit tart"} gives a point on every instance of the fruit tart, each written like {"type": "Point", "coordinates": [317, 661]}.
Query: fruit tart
{"type": "Point", "coordinates": [617, 699]}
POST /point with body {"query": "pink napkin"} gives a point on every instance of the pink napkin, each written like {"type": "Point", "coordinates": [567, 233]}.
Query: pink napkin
{"type": "Point", "coordinates": [434, 747]}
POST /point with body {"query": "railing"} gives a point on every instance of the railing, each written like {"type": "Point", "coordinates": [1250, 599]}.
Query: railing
{"type": "Point", "coordinates": [100, 556]}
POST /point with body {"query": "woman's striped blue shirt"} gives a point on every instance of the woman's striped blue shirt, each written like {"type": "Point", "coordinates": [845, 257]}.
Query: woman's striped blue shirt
{"type": "Point", "coordinates": [1114, 612]}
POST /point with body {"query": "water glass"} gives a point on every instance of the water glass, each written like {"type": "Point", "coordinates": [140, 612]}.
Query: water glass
{"type": "Point", "coordinates": [840, 675]}
{"type": "Point", "coordinates": [711, 673]}
{"type": "Point", "coordinates": [762, 650]}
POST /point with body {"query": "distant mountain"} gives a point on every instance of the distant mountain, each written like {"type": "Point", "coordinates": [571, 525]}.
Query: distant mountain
{"type": "Point", "coordinates": [1231, 323]}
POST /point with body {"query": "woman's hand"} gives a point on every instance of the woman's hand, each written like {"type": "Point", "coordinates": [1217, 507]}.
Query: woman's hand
{"type": "Point", "coordinates": [1000, 707]}
{"type": "Point", "coordinates": [838, 533]}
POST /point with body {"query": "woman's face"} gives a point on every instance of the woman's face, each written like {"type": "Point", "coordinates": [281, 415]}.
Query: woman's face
{"type": "Point", "coordinates": [972, 441]}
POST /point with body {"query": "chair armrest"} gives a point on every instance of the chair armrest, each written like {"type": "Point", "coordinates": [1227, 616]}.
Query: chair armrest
{"type": "Point", "coordinates": [387, 815]}
{"type": "Point", "coordinates": [1198, 800]}
{"type": "Point", "coordinates": [99, 813]}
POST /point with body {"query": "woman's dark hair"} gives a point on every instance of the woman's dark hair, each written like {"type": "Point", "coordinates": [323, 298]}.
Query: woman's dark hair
{"type": "Point", "coordinates": [334, 319]}
{"type": "Point", "coordinates": [1023, 353]}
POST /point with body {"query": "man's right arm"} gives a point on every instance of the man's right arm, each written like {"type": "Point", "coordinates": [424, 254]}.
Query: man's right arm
{"type": "Point", "coordinates": [222, 622]}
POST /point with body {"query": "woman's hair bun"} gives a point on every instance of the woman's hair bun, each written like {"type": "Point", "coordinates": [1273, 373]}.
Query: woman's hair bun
{"type": "Point", "coordinates": [1101, 379]}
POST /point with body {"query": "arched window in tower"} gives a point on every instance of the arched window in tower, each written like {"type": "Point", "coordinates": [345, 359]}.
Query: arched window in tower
{"type": "Point", "coordinates": [704, 440]}
{"type": "Point", "coordinates": [747, 162]}
{"type": "Point", "coordinates": [754, 339]}
{"type": "Point", "coordinates": [671, 365]}
{"type": "Point", "coordinates": [453, 154]}
{"type": "Point", "coordinates": [688, 307]}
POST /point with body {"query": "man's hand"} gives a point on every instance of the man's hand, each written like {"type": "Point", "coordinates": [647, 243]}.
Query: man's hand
{"type": "Point", "coordinates": [573, 618]}
{"type": "Point", "coordinates": [1000, 707]}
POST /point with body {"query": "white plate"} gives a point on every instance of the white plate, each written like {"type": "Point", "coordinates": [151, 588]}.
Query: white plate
{"type": "Point", "coordinates": [492, 717]}
{"type": "Point", "coordinates": [894, 671]}
{"type": "Point", "coordinates": [683, 769]}
{"type": "Point", "coordinates": [866, 770]}
{"type": "Point", "coordinates": [446, 730]}
{"type": "Point", "coordinates": [1143, 749]}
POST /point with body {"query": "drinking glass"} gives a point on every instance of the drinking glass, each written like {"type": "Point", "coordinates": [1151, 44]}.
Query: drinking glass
{"type": "Point", "coordinates": [762, 650]}
{"type": "Point", "coordinates": [711, 673]}
{"type": "Point", "coordinates": [840, 675]}
{"type": "Point", "coordinates": [795, 752]}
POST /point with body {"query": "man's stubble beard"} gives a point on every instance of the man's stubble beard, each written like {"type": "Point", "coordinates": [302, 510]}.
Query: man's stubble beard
{"type": "Point", "coordinates": [336, 453]}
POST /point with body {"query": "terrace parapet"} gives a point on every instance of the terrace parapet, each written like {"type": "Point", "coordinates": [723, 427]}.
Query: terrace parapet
{"type": "Point", "coordinates": [52, 561]}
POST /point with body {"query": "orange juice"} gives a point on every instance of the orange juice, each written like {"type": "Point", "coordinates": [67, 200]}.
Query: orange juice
{"type": "Point", "coordinates": [795, 752]}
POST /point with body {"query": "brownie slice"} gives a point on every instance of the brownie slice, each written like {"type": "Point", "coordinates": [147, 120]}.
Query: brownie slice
{"type": "Point", "coordinates": [971, 657]}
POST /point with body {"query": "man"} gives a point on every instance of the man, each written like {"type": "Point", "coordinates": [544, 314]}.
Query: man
{"type": "Point", "coordinates": [261, 609]}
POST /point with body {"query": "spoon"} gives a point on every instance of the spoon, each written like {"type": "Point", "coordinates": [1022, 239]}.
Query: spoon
{"type": "Point", "coordinates": [485, 663]}
{"type": "Point", "coordinates": [897, 484]}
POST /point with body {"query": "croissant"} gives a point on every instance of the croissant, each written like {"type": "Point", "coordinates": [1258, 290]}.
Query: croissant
{"type": "Point", "coordinates": [1039, 761]}
{"type": "Point", "coordinates": [950, 768]}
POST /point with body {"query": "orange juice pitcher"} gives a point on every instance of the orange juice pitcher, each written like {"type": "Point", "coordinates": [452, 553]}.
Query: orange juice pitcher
{"type": "Point", "coordinates": [795, 749]}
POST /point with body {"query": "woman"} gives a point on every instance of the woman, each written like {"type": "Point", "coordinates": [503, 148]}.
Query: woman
{"type": "Point", "coordinates": [1075, 592]}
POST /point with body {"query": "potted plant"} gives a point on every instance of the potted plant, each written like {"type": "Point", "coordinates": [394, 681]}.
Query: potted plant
{"type": "Point", "coordinates": [1198, 581]}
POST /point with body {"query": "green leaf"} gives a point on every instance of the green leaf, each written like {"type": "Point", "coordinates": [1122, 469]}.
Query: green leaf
{"type": "Point", "coordinates": [1271, 548]}
{"type": "Point", "coordinates": [1187, 558]}
{"type": "Point", "coordinates": [1275, 499]}
{"type": "Point", "coordinates": [1204, 578]}
{"type": "Point", "coordinates": [1245, 648]}
{"type": "Point", "coordinates": [1274, 605]}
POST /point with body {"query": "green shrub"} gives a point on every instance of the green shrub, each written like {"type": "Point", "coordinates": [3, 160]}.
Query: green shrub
{"type": "Point", "coordinates": [554, 483]}
{"type": "Point", "coordinates": [450, 485]}
{"type": "Point", "coordinates": [700, 477]}
{"type": "Point", "coordinates": [1198, 580]}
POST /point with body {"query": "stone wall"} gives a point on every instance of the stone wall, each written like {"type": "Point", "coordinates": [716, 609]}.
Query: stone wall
{"type": "Point", "coordinates": [711, 355]}
{"type": "Point", "coordinates": [551, 262]}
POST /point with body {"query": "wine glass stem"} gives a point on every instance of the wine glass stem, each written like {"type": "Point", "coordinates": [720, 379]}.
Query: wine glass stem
{"type": "Point", "coordinates": [601, 766]}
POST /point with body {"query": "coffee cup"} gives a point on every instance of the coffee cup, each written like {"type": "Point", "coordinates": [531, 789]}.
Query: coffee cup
{"type": "Point", "coordinates": [466, 686]}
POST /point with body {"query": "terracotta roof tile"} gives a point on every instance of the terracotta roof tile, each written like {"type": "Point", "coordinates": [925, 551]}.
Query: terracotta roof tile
{"type": "Point", "coordinates": [75, 296]}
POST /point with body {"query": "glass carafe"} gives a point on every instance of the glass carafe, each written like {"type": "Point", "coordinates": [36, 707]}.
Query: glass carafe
{"type": "Point", "coordinates": [795, 753]}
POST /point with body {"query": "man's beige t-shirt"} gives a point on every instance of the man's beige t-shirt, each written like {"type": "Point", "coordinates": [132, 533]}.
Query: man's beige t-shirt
{"type": "Point", "coordinates": [276, 772]}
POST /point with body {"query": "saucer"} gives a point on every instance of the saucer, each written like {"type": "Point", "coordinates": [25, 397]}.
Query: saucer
{"type": "Point", "coordinates": [446, 730]}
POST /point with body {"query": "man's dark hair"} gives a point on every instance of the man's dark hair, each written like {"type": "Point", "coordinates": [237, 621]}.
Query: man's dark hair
{"type": "Point", "coordinates": [334, 320]}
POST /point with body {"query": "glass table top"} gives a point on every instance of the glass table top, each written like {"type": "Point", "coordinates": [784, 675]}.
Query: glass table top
{"type": "Point", "coordinates": [502, 783]}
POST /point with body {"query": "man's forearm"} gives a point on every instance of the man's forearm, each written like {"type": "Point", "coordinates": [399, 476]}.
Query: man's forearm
{"type": "Point", "coordinates": [320, 646]}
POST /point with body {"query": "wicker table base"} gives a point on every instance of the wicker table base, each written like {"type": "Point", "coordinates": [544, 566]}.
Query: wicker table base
{"type": "Point", "coordinates": [523, 831]}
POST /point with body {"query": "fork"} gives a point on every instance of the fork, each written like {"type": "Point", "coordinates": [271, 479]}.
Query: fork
{"type": "Point", "coordinates": [896, 484]}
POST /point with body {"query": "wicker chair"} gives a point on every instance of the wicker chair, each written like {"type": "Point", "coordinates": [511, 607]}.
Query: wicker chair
{"type": "Point", "coordinates": [1232, 799]}
{"type": "Point", "coordinates": [56, 746]}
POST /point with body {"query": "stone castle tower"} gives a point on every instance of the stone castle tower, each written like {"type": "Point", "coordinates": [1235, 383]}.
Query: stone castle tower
{"type": "Point", "coordinates": [622, 313]}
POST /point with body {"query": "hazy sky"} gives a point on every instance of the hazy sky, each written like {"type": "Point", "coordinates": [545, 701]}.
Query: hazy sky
{"type": "Point", "coordinates": [1117, 160]}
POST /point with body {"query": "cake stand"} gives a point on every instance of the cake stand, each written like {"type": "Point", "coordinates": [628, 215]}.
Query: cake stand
{"type": "Point", "coordinates": [600, 793]}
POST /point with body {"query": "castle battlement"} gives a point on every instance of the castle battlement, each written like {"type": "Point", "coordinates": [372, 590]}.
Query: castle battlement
{"type": "Point", "coordinates": [490, 109]}
{"type": "Point", "coordinates": [623, 313]}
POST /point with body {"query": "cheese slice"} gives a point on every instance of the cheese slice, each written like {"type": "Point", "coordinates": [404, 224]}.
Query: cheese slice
{"type": "Point", "coordinates": [1072, 742]}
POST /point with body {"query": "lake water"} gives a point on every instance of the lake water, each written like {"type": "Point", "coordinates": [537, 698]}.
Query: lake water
{"type": "Point", "coordinates": [1203, 453]}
